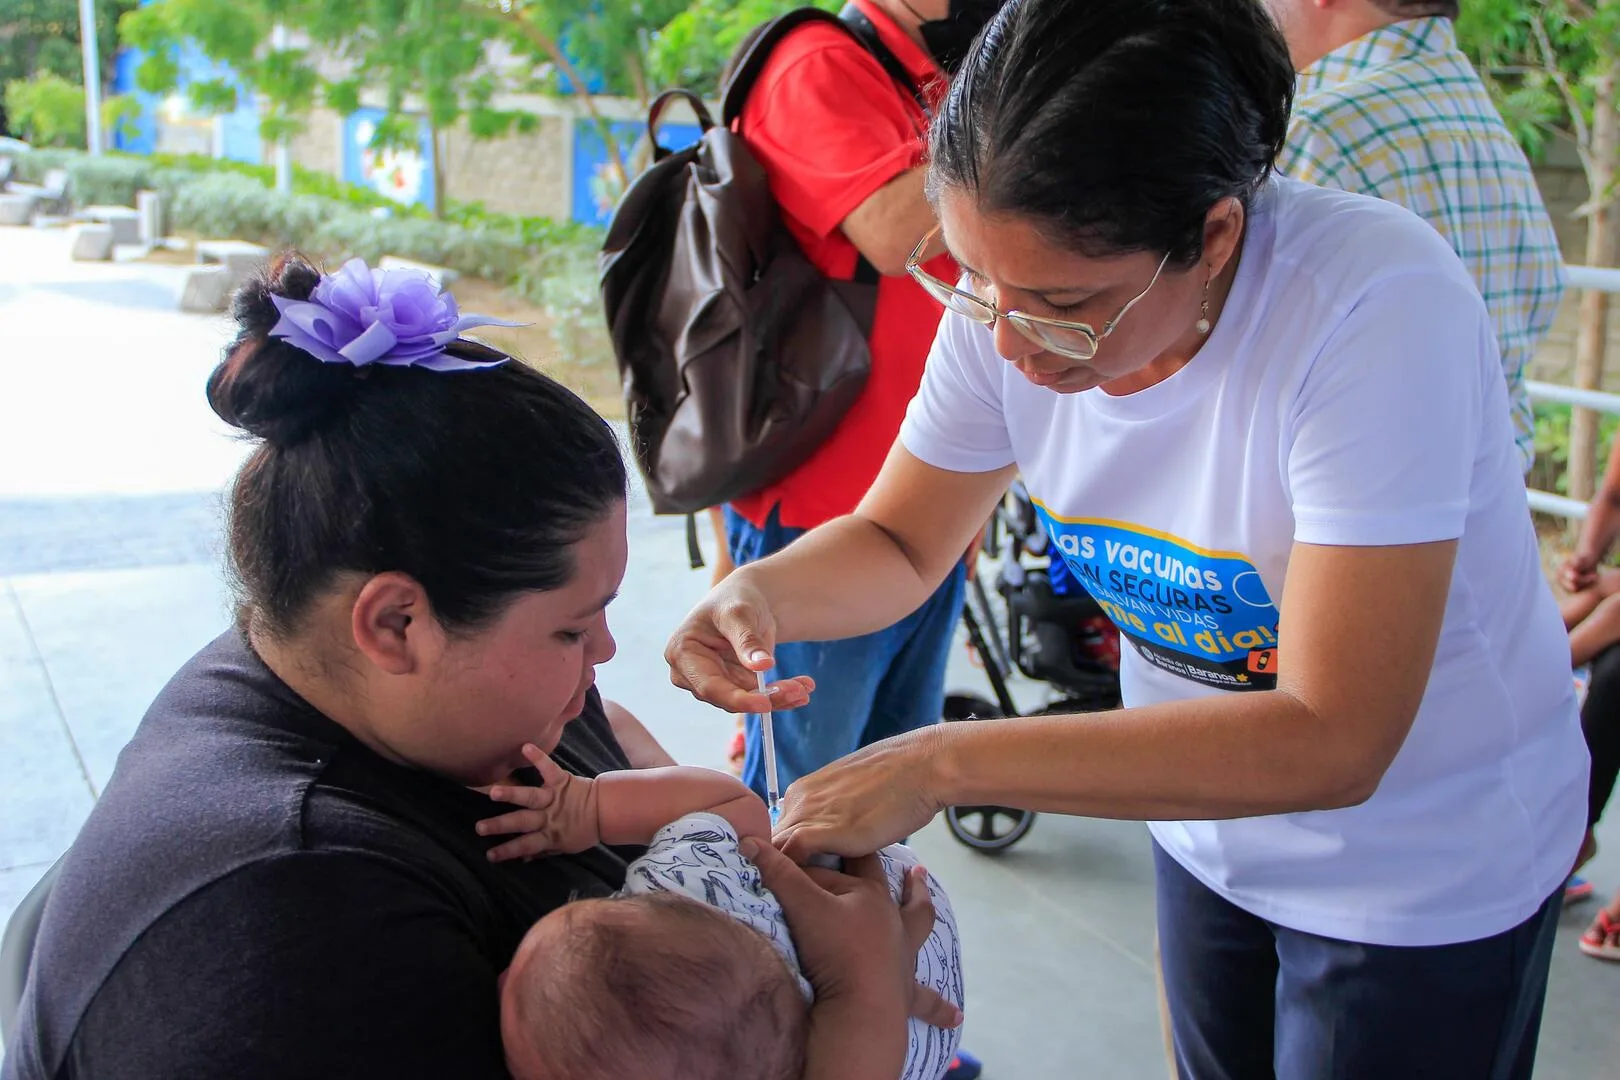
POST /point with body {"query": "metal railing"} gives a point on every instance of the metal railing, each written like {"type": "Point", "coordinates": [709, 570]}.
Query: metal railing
{"type": "Point", "coordinates": [1601, 279]}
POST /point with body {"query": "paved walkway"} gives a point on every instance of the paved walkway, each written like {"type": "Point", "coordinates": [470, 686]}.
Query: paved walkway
{"type": "Point", "coordinates": [110, 471]}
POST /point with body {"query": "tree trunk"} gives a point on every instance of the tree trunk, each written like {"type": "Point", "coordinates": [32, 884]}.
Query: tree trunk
{"type": "Point", "coordinates": [552, 49]}
{"type": "Point", "coordinates": [437, 138]}
{"type": "Point", "coordinates": [638, 79]}
{"type": "Point", "coordinates": [1594, 312]}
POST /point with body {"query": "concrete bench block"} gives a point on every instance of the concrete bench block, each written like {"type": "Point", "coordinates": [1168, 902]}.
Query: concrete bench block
{"type": "Point", "coordinates": [149, 206]}
{"type": "Point", "coordinates": [207, 289]}
{"type": "Point", "coordinates": [91, 243]}
{"type": "Point", "coordinates": [442, 276]}
{"type": "Point", "coordinates": [51, 195]}
{"type": "Point", "coordinates": [125, 222]}
{"type": "Point", "coordinates": [238, 257]}
{"type": "Point", "coordinates": [16, 208]}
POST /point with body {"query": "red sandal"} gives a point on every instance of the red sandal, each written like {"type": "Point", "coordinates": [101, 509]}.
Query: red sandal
{"type": "Point", "coordinates": [1602, 938]}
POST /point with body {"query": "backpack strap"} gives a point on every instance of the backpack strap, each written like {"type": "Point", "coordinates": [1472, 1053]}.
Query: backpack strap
{"type": "Point", "coordinates": [745, 68]}
{"type": "Point", "coordinates": [655, 111]}
{"type": "Point", "coordinates": [866, 32]}
{"type": "Point", "coordinates": [694, 550]}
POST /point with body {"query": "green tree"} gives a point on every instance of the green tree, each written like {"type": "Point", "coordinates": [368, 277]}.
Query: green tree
{"type": "Point", "coordinates": [1554, 66]}
{"type": "Point", "coordinates": [692, 48]}
{"type": "Point", "coordinates": [452, 59]}
{"type": "Point", "coordinates": [47, 109]}
{"type": "Point", "coordinates": [120, 115]}
{"type": "Point", "coordinates": [42, 37]}
{"type": "Point", "coordinates": [610, 40]}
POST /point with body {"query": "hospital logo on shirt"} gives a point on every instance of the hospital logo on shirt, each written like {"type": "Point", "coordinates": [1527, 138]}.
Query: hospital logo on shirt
{"type": "Point", "coordinates": [1201, 615]}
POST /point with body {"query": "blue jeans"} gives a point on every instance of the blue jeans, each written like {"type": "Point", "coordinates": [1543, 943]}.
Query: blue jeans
{"type": "Point", "coordinates": [867, 688]}
{"type": "Point", "coordinates": [1250, 999]}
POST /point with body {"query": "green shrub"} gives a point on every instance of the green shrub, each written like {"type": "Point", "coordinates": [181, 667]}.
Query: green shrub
{"type": "Point", "coordinates": [305, 181]}
{"type": "Point", "coordinates": [46, 109]}
{"type": "Point", "coordinates": [1551, 470]}
{"type": "Point", "coordinates": [565, 284]}
{"type": "Point", "coordinates": [224, 205]}
{"type": "Point", "coordinates": [33, 166]}
{"type": "Point", "coordinates": [481, 253]}
{"type": "Point", "coordinates": [536, 232]}
{"type": "Point", "coordinates": [112, 180]}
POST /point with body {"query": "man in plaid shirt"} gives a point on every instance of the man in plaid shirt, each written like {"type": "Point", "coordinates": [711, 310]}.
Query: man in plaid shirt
{"type": "Point", "coordinates": [1388, 106]}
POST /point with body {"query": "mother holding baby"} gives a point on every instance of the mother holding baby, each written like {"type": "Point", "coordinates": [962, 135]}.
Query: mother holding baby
{"type": "Point", "coordinates": [1265, 426]}
{"type": "Point", "coordinates": [285, 876]}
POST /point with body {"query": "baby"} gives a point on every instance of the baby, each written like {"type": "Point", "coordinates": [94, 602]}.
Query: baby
{"type": "Point", "coordinates": [689, 971]}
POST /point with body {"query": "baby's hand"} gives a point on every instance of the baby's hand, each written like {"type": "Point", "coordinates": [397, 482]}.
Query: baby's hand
{"type": "Point", "coordinates": [557, 819]}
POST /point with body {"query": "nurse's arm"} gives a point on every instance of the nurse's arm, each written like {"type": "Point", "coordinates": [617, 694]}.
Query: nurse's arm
{"type": "Point", "coordinates": [870, 569]}
{"type": "Point", "coordinates": [1357, 641]}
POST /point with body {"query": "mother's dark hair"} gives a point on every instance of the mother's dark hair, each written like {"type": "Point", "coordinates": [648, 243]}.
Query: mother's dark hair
{"type": "Point", "coordinates": [476, 483]}
{"type": "Point", "coordinates": [1117, 124]}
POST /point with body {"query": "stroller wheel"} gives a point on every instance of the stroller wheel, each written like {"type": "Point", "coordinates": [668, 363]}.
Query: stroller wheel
{"type": "Point", "coordinates": [983, 828]}
{"type": "Point", "coordinates": [988, 828]}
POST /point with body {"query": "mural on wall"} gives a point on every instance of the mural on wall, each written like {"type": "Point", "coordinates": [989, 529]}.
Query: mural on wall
{"type": "Point", "coordinates": [596, 187]}
{"type": "Point", "coordinates": [406, 176]}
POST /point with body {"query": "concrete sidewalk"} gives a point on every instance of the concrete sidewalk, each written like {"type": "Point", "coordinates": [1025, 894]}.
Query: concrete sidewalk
{"type": "Point", "coordinates": [111, 466]}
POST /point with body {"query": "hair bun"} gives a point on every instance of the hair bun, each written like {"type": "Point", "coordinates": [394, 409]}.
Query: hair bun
{"type": "Point", "coordinates": [264, 386]}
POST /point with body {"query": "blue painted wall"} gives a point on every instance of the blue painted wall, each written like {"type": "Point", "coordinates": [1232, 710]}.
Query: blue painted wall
{"type": "Point", "coordinates": [144, 139]}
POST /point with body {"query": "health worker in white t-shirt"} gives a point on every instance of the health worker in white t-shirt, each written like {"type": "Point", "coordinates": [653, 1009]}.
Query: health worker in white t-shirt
{"type": "Point", "coordinates": [1266, 428]}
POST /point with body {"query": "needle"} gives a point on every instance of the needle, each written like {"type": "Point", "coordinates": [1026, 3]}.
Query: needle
{"type": "Point", "coordinates": [773, 794]}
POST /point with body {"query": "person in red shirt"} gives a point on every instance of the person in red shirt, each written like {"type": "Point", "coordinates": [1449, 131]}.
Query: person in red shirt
{"type": "Point", "coordinates": [842, 140]}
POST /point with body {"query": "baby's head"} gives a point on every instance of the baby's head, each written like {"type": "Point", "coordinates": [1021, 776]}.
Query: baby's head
{"type": "Point", "coordinates": [659, 987]}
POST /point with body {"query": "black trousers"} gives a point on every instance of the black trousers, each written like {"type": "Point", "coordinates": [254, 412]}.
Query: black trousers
{"type": "Point", "coordinates": [1251, 1000]}
{"type": "Point", "coordinates": [1600, 720]}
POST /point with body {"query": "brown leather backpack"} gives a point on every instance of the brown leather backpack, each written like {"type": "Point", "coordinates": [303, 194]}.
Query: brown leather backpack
{"type": "Point", "coordinates": [738, 356]}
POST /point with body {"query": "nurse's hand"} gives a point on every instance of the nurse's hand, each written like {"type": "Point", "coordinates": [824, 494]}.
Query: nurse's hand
{"type": "Point", "coordinates": [724, 643]}
{"type": "Point", "coordinates": [863, 802]}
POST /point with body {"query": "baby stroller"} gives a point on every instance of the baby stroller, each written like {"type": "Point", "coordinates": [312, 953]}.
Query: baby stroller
{"type": "Point", "coordinates": [1045, 627]}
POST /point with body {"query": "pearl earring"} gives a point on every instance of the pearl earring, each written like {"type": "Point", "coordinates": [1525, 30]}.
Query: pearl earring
{"type": "Point", "coordinates": [1202, 325]}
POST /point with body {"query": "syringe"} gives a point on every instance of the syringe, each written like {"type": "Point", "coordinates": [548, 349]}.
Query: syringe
{"type": "Point", "coordinates": [767, 738]}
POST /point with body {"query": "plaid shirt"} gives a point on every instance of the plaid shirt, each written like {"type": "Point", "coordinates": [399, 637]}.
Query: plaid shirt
{"type": "Point", "coordinates": [1401, 114]}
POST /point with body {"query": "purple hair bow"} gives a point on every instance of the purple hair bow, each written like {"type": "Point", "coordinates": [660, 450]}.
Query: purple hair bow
{"type": "Point", "coordinates": [363, 316]}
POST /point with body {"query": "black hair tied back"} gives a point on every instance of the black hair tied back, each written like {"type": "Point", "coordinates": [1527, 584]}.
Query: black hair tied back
{"type": "Point", "coordinates": [265, 386]}
{"type": "Point", "coordinates": [477, 483]}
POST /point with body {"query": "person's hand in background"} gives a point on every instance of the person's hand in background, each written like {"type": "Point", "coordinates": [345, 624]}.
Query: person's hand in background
{"type": "Point", "coordinates": [1578, 571]}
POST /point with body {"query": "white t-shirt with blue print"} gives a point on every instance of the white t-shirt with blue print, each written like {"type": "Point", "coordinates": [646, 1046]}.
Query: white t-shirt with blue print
{"type": "Point", "coordinates": [1350, 395]}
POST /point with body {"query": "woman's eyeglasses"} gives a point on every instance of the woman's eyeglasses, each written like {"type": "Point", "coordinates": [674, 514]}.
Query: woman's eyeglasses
{"type": "Point", "coordinates": [1077, 341]}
